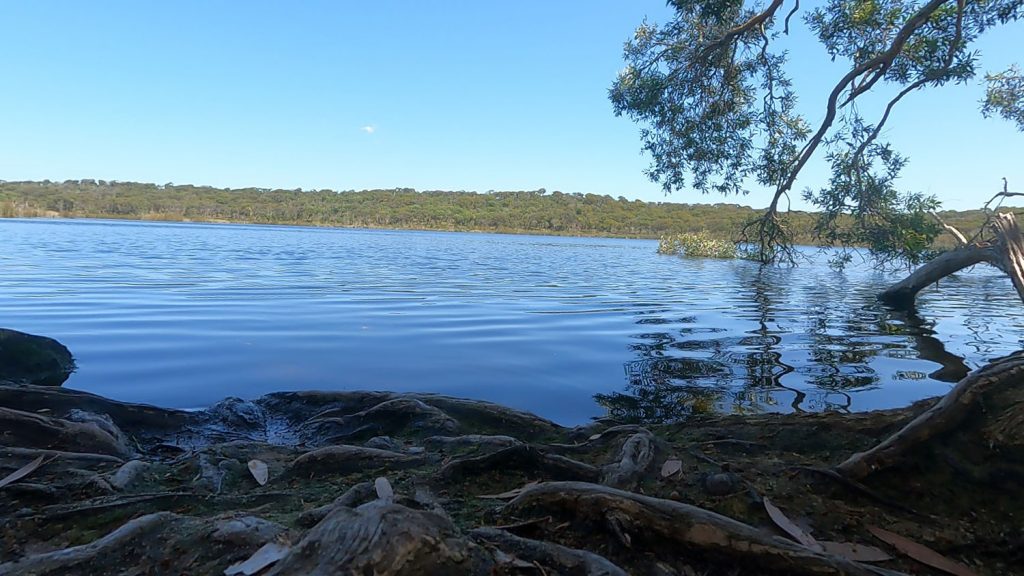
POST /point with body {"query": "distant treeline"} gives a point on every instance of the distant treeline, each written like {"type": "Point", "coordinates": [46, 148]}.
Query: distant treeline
{"type": "Point", "coordinates": [536, 211]}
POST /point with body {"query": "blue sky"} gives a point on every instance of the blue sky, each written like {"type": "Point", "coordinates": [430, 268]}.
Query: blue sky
{"type": "Point", "coordinates": [455, 95]}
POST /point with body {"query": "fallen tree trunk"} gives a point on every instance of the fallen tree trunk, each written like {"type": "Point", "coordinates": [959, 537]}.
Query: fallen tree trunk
{"type": "Point", "coordinates": [1005, 252]}
{"type": "Point", "coordinates": [904, 292]}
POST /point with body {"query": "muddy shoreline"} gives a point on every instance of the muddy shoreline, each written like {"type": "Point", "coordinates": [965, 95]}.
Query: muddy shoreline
{"type": "Point", "coordinates": [386, 483]}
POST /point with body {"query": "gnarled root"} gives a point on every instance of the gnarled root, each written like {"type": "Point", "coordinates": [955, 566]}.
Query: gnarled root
{"type": "Point", "coordinates": [668, 528]}
{"type": "Point", "coordinates": [136, 419]}
{"type": "Point", "coordinates": [357, 495]}
{"type": "Point", "coordinates": [384, 539]}
{"type": "Point", "coordinates": [348, 459]}
{"type": "Point", "coordinates": [469, 441]}
{"type": "Point", "coordinates": [387, 418]}
{"type": "Point", "coordinates": [28, 430]}
{"type": "Point", "coordinates": [946, 415]}
{"type": "Point", "coordinates": [526, 553]}
{"type": "Point", "coordinates": [177, 544]}
{"type": "Point", "coordinates": [635, 458]}
{"type": "Point", "coordinates": [523, 458]}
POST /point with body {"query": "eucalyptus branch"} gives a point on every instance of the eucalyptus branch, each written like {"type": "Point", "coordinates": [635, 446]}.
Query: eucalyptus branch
{"type": "Point", "coordinates": [796, 8]}
{"type": "Point", "coordinates": [947, 63]}
{"type": "Point", "coordinates": [961, 240]}
{"type": "Point", "coordinates": [884, 60]}
{"type": "Point", "coordinates": [747, 26]}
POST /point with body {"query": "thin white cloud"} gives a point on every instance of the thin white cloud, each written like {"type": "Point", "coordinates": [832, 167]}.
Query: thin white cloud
{"type": "Point", "coordinates": [369, 129]}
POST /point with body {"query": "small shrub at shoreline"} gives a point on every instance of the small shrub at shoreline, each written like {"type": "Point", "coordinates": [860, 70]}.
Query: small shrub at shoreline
{"type": "Point", "coordinates": [696, 245]}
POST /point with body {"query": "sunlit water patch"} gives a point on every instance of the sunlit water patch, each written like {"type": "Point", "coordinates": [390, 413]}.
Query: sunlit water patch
{"type": "Point", "coordinates": [182, 315]}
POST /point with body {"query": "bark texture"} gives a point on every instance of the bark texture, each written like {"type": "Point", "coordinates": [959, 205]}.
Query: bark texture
{"type": "Point", "coordinates": [1005, 251]}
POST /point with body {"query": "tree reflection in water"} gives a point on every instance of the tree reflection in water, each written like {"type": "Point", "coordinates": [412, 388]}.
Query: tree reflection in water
{"type": "Point", "coordinates": [779, 349]}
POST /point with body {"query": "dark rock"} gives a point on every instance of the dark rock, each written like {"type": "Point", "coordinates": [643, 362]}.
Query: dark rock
{"type": "Point", "coordinates": [237, 413]}
{"type": "Point", "coordinates": [29, 359]}
{"type": "Point", "coordinates": [383, 443]}
{"type": "Point", "coordinates": [721, 484]}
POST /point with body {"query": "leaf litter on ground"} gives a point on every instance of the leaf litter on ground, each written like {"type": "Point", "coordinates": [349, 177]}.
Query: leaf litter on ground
{"type": "Point", "coordinates": [790, 527]}
{"type": "Point", "coordinates": [22, 472]}
{"type": "Point", "coordinates": [384, 490]}
{"type": "Point", "coordinates": [855, 552]}
{"type": "Point", "coordinates": [259, 471]}
{"type": "Point", "coordinates": [509, 494]}
{"type": "Point", "coordinates": [267, 554]}
{"type": "Point", "coordinates": [671, 468]}
{"type": "Point", "coordinates": [921, 553]}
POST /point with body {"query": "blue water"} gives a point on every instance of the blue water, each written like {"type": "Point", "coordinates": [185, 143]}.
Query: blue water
{"type": "Point", "coordinates": [182, 315]}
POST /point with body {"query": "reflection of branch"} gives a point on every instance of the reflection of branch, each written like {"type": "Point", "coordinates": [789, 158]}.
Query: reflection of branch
{"type": "Point", "coordinates": [931, 348]}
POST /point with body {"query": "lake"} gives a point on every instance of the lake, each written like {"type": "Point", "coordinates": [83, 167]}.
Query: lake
{"type": "Point", "coordinates": [182, 315]}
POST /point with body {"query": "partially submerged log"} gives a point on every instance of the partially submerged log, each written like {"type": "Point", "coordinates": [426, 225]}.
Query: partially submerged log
{"type": "Point", "coordinates": [1005, 251]}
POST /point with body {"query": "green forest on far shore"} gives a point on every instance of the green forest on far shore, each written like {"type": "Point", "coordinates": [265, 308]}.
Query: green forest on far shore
{"type": "Point", "coordinates": [533, 211]}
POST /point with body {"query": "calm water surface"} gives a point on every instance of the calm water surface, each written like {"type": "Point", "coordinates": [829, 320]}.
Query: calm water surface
{"type": "Point", "coordinates": [182, 315]}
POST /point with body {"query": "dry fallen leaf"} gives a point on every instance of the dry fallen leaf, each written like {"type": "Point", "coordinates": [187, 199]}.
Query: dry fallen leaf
{"type": "Point", "coordinates": [594, 437]}
{"type": "Point", "coordinates": [270, 552]}
{"type": "Point", "coordinates": [671, 467]}
{"type": "Point", "coordinates": [787, 525]}
{"type": "Point", "coordinates": [384, 490]}
{"type": "Point", "coordinates": [507, 495]}
{"type": "Point", "coordinates": [22, 472]}
{"type": "Point", "coordinates": [855, 552]}
{"type": "Point", "coordinates": [921, 553]}
{"type": "Point", "coordinates": [259, 471]}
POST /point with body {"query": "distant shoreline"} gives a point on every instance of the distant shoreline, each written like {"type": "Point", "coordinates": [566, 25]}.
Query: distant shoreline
{"type": "Point", "coordinates": [535, 212]}
{"type": "Point", "coordinates": [333, 226]}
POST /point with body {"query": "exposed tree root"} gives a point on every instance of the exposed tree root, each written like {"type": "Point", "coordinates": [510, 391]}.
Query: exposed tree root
{"type": "Point", "coordinates": [347, 459]}
{"type": "Point", "coordinates": [63, 456]}
{"type": "Point", "coordinates": [137, 419]}
{"type": "Point", "coordinates": [164, 542]}
{"type": "Point", "coordinates": [383, 539]}
{"type": "Point", "coordinates": [80, 557]}
{"type": "Point", "coordinates": [522, 458]}
{"type": "Point", "coordinates": [25, 429]}
{"type": "Point", "coordinates": [355, 496]}
{"type": "Point", "coordinates": [655, 524]}
{"type": "Point", "coordinates": [948, 413]}
{"type": "Point", "coordinates": [560, 527]}
{"type": "Point", "coordinates": [635, 458]}
{"type": "Point", "coordinates": [469, 441]}
{"type": "Point", "coordinates": [526, 553]}
{"type": "Point", "coordinates": [387, 418]}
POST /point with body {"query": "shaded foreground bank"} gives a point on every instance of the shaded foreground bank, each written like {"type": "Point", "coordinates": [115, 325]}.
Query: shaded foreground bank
{"type": "Point", "coordinates": [375, 482]}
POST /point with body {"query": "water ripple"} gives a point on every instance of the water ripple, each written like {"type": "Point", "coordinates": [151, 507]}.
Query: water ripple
{"type": "Point", "coordinates": [184, 314]}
